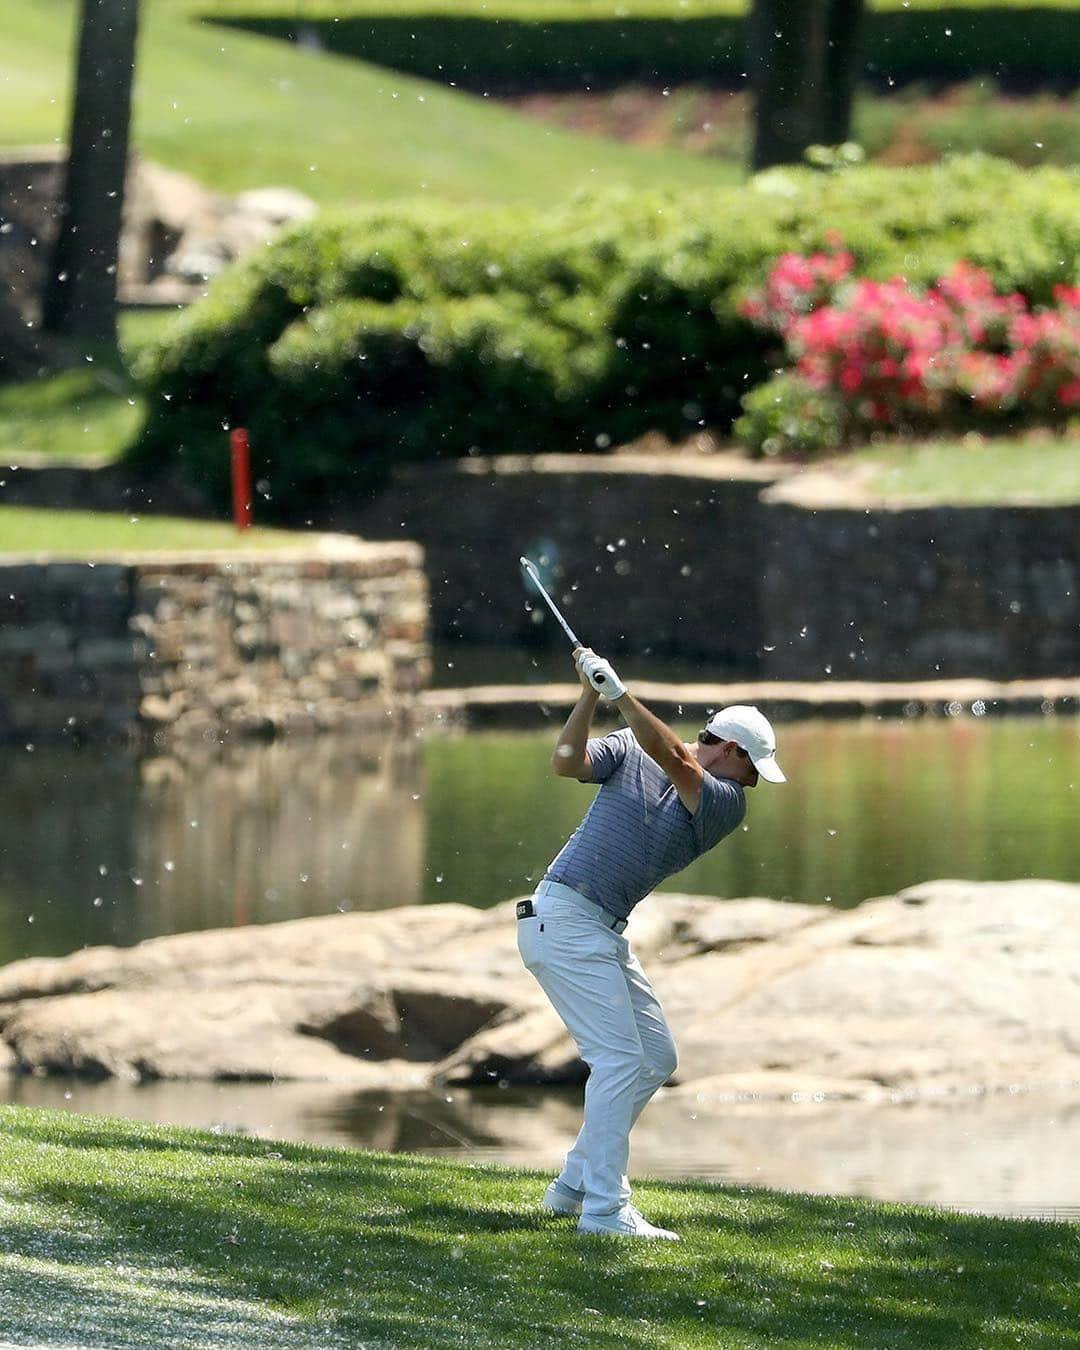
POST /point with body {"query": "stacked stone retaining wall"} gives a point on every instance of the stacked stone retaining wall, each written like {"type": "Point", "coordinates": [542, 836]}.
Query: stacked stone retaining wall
{"type": "Point", "coordinates": [920, 593]}
{"type": "Point", "coordinates": [659, 556]}
{"type": "Point", "coordinates": [30, 184]}
{"type": "Point", "coordinates": [709, 559]}
{"type": "Point", "coordinates": [211, 645]}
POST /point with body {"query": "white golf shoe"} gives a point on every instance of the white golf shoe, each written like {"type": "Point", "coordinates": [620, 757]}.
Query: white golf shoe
{"type": "Point", "coordinates": [560, 1199]}
{"type": "Point", "coordinates": [627, 1222]}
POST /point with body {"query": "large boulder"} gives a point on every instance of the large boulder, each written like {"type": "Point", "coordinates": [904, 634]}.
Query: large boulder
{"type": "Point", "coordinates": [178, 229]}
{"type": "Point", "coordinates": [951, 987]}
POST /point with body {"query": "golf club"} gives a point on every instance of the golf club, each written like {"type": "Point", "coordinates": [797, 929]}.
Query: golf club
{"type": "Point", "coordinates": [535, 575]}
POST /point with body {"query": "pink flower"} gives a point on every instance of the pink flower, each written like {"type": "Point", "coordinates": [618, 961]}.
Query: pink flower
{"type": "Point", "coordinates": [893, 352]}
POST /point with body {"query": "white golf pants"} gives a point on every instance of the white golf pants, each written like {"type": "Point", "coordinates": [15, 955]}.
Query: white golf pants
{"type": "Point", "coordinates": [598, 988]}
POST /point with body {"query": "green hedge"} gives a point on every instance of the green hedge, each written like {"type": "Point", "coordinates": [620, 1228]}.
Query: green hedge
{"type": "Point", "coordinates": [500, 52]}
{"type": "Point", "coordinates": [357, 342]}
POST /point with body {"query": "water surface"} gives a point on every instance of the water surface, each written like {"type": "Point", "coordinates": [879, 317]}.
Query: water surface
{"type": "Point", "coordinates": [100, 845]}
{"type": "Point", "coordinates": [1008, 1154]}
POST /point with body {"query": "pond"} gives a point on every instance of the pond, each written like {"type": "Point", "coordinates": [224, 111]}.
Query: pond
{"type": "Point", "coordinates": [103, 846]}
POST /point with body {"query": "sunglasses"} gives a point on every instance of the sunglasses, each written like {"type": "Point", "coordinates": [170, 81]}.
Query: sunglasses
{"type": "Point", "coordinates": [707, 738]}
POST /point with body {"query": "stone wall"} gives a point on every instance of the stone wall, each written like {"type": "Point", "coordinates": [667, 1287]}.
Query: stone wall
{"type": "Point", "coordinates": [708, 558]}
{"type": "Point", "coordinates": [920, 593]}
{"type": "Point", "coordinates": [212, 645]}
{"type": "Point", "coordinates": [176, 234]}
{"type": "Point", "coordinates": [30, 184]}
{"type": "Point", "coordinates": [655, 555]}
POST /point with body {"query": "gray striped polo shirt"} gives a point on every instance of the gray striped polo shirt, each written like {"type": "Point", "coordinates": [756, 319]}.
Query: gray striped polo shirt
{"type": "Point", "coordinates": [637, 832]}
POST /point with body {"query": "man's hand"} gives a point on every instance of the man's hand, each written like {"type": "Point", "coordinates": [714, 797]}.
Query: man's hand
{"type": "Point", "coordinates": [600, 674]}
{"type": "Point", "coordinates": [579, 654]}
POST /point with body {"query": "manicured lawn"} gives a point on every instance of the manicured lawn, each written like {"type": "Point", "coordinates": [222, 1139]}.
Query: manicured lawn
{"type": "Point", "coordinates": [120, 1233]}
{"type": "Point", "coordinates": [90, 412]}
{"type": "Point", "coordinates": [239, 111]}
{"type": "Point", "coordinates": [79, 534]}
{"type": "Point", "coordinates": [69, 417]}
{"type": "Point", "coordinates": [1040, 469]}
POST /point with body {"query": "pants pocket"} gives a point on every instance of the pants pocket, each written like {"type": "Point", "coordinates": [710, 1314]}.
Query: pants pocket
{"type": "Point", "coordinates": [528, 941]}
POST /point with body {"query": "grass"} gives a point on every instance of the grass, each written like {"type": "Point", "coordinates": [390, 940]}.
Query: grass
{"type": "Point", "coordinates": [970, 471]}
{"type": "Point", "coordinates": [84, 534]}
{"type": "Point", "coordinates": [86, 413]}
{"type": "Point", "coordinates": [69, 417]}
{"type": "Point", "coordinates": [119, 1233]}
{"type": "Point", "coordinates": [238, 111]}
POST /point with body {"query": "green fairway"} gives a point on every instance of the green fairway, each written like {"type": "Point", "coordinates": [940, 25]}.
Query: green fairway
{"type": "Point", "coordinates": [1043, 469]}
{"type": "Point", "coordinates": [68, 417]}
{"type": "Point", "coordinates": [81, 534]}
{"type": "Point", "coordinates": [238, 111]}
{"type": "Point", "coordinates": [90, 412]}
{"type": "Point", "coordinates": [124, 1234]}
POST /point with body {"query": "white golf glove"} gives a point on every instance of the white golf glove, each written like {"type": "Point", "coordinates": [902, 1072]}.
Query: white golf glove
{"type": "Point", "coordinates": [601, 675]}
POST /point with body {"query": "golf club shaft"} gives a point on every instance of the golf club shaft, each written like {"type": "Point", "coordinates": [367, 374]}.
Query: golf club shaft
{"type": "Point", "coordinates": [531, 569]}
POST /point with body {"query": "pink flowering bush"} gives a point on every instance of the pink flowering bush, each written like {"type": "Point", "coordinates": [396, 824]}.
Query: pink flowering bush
{"type": "Point", "coordinates": [888, 355]}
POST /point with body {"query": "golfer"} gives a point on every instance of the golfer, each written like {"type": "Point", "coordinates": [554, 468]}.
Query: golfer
{"type": "Point", "coordinates": [661, 804]}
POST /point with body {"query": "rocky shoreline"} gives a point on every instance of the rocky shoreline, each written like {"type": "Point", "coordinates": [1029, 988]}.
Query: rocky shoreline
{"type": "Point", "coordinates": [950, 987]}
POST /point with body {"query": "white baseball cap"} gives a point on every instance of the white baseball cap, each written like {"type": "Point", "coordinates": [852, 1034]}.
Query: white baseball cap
{"type": "Point", "coordinates": [752, 732]}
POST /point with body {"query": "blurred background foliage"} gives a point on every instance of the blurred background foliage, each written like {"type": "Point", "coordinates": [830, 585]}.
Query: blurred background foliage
{"type": "Point", "coordinates": [371, 338]}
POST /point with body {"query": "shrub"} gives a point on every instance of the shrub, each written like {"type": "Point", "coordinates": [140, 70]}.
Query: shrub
{"type": "Point", "coordinates": [360, 340]}
{"type": "Point", "coordinates": [887, 354]}
{"type": "Point", "coordinates": [515, 46]}
{"type": "Point", "coordinates": [788, 416]}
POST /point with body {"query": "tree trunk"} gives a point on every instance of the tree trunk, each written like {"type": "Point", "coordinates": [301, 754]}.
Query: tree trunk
{"type": "Point", "coordinates": [788, 40]}
{"type": "Point", "coordinates": [80, 295]}
{"type": "Point", "coordinates": [842, 64]}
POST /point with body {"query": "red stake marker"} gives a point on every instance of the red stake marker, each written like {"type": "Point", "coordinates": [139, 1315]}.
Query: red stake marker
{"type": "Point", "coordinates": [241, 477]}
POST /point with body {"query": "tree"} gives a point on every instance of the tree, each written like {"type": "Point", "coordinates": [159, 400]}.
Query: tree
{"type": "Point", "coordinates": [80, 294]}
{"type": "Point", "coordinates": [804, 64]}
{"type": "Point", "coordinates": [843, 51]}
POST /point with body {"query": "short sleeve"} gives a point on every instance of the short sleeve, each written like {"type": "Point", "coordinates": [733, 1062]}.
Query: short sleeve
{"type": "Point", "coordinates": [721, 809]}
{"type": "Point", "coordinates": [606, 754]}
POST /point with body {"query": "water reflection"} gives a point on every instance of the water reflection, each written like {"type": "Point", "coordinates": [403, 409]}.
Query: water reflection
{"type": "Point", "coordinates": [1002, 1154]}
{"type": "Point", "coordinates": [871, 806]}
{"type": "Point", "coordinates": [104, 846]}
{"type": "Point", "coordinates": [101, 846]}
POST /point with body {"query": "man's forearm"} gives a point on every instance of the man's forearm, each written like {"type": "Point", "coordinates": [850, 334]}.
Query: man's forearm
{"type": "Point", "coordinates": [569, 751]}
{"type": "Point", "coordinates": [656, 738]}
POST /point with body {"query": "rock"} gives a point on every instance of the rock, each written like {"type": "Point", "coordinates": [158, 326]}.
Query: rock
{"type": "Point", "coordinates": [948, 988]}
{"type": "Point", "coordinates": [179, 233]}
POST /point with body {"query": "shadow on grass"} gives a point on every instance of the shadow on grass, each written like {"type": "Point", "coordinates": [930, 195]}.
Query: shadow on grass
{"type": "Point", "coordinates": [408, 1250]}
